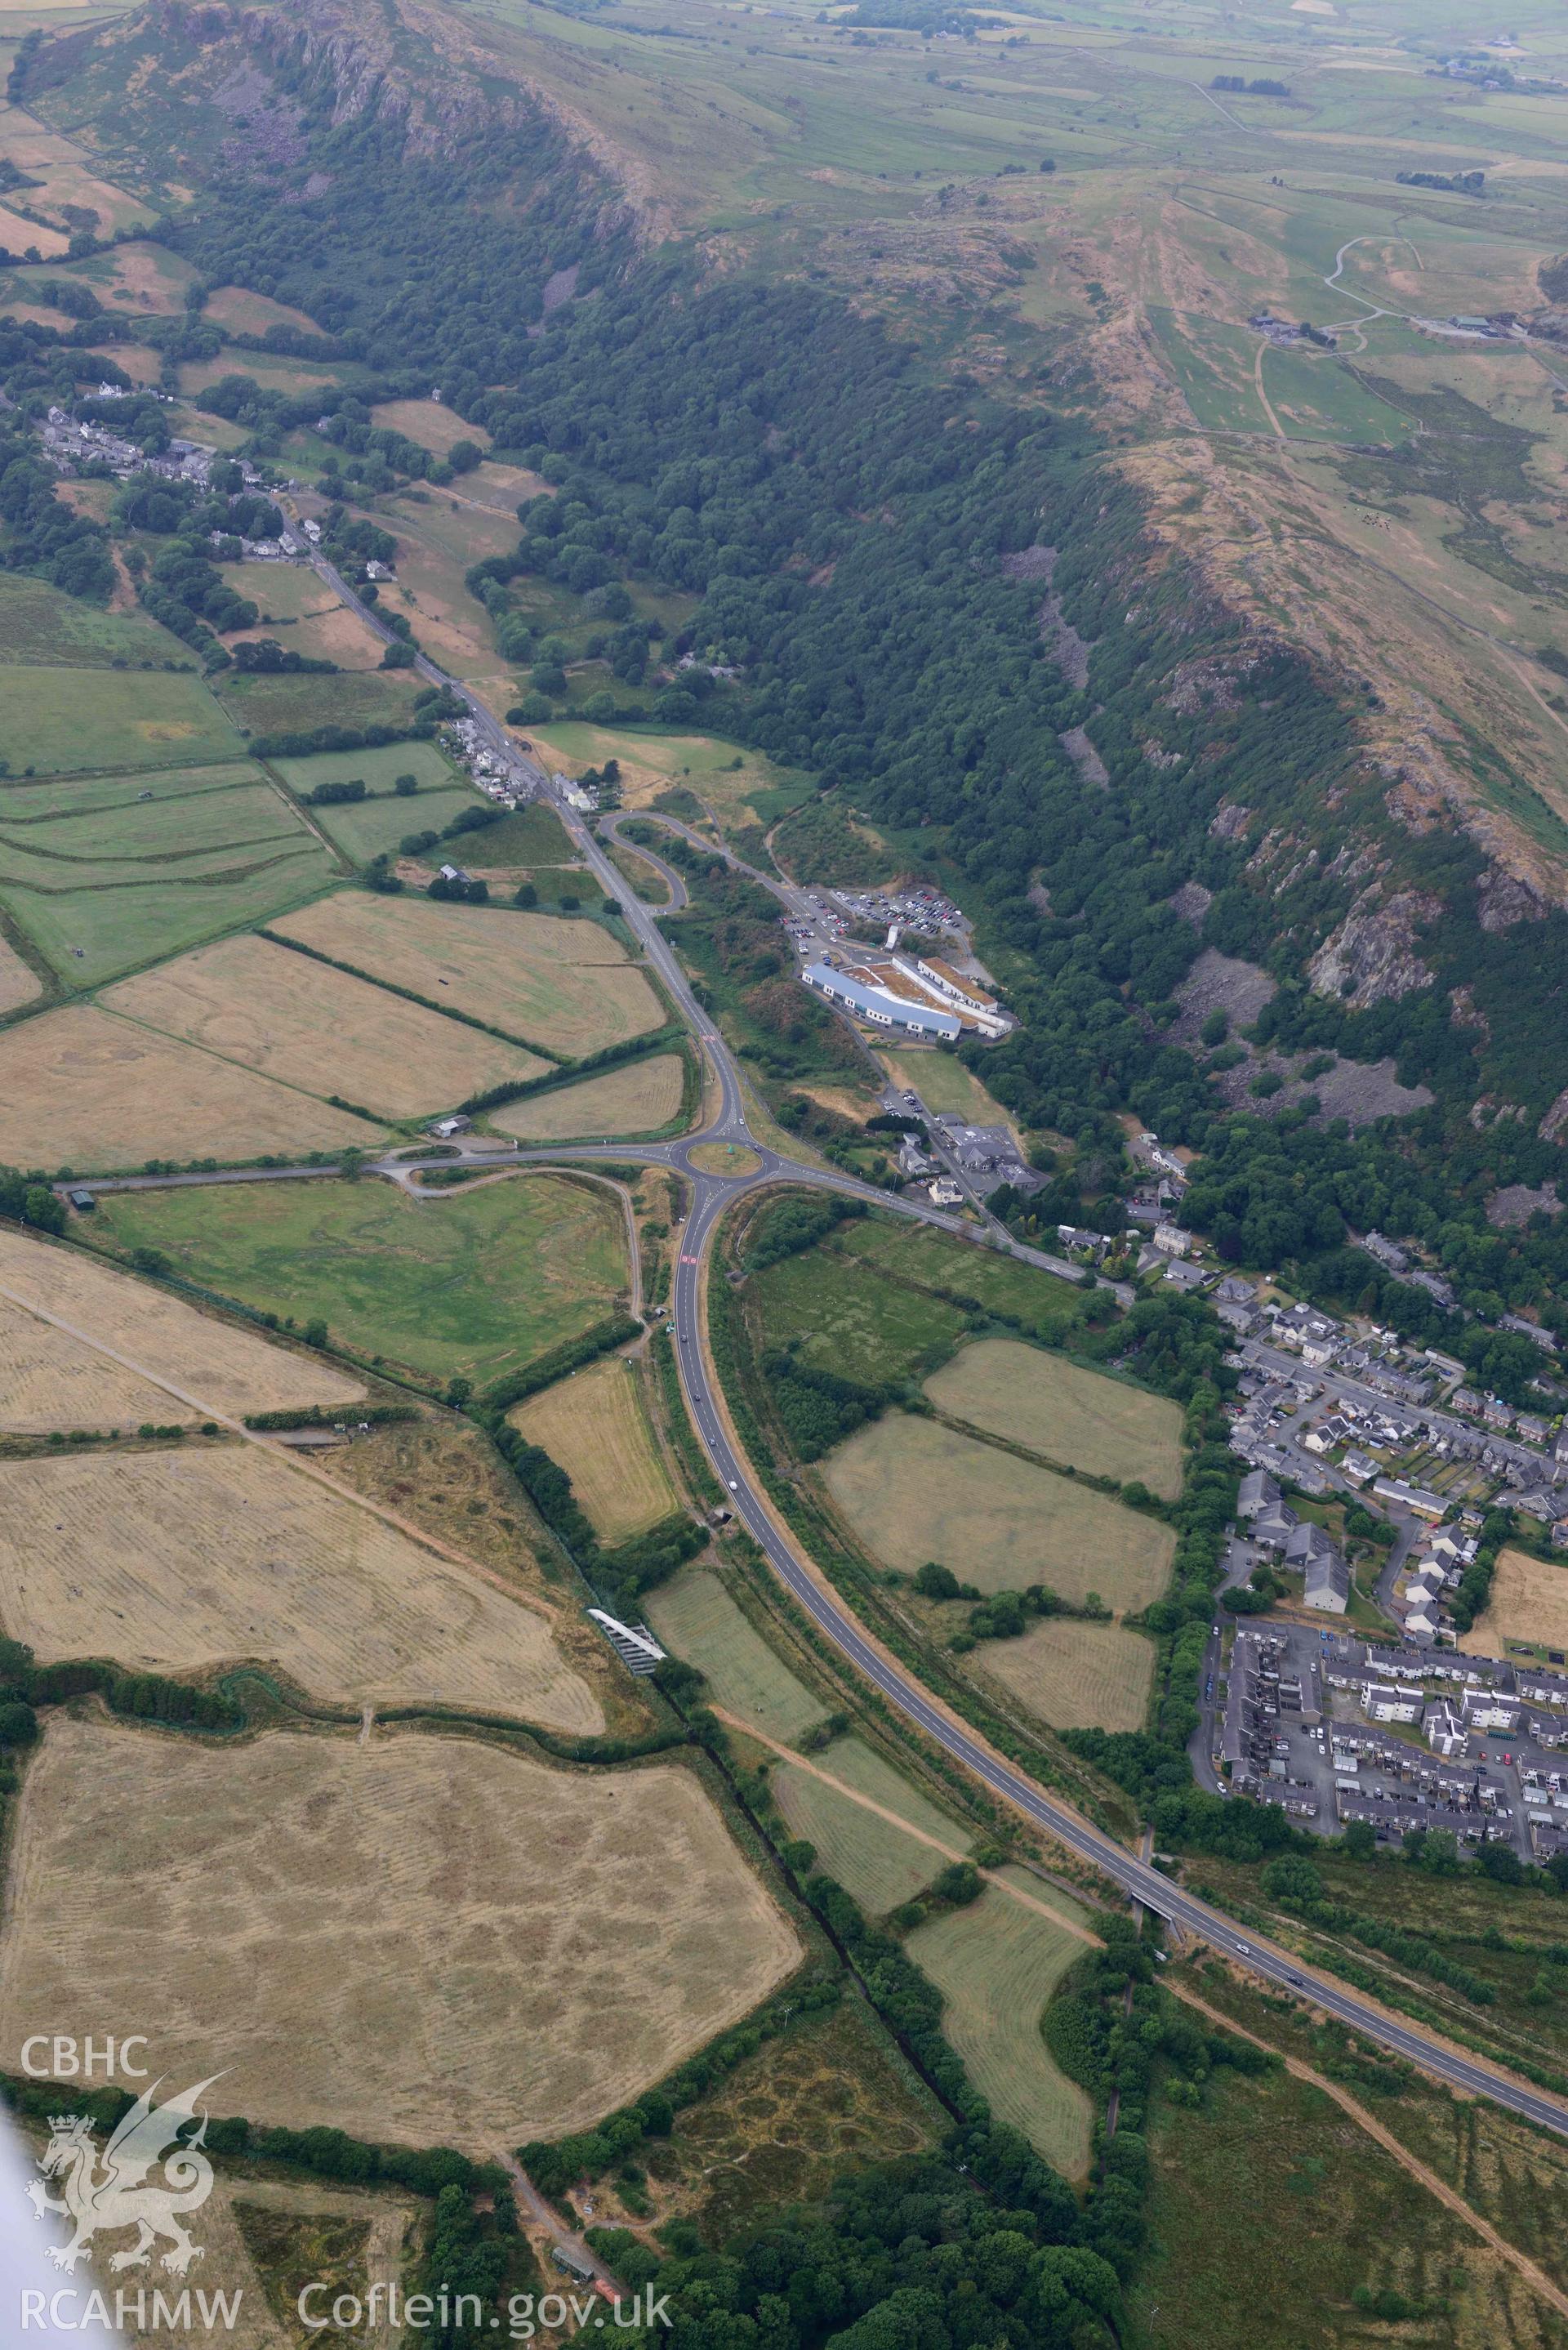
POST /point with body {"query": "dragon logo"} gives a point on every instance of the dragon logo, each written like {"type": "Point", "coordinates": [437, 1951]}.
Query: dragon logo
{"type": "Point", "coordinates": [101, 2196]}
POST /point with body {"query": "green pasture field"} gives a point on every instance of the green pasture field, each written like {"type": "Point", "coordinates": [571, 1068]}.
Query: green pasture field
{"type": "Point", "coordinates": [696, 1619]}
{"type": "Point", "coordinates": [104, 878]}
{"type": "Point", "coordinates": [1076, 1415]}
{"type": "Point", "coordinates": [913, 1489]}
{"type": "Point", "coordinates": [870, 1856]}
{"type": "Point", "coordinates": [998, 1285]}
{"type": "Point", "coordinates": [377, 770]}
{"type": "Point", "coordinates": [373, 827]}
{"type": "Point", "coordinates": [283, 705]}
{"type": "Point", "coordinates": [473, 1283]}
{"type": "Point", "coordinates": [43, 799]}
{"type": "Point", "coordinates": [525, 838]}
{"type": "Point", "coordinates": [69, 721]}
{"type": "Point", "coordinates": [38, 624]}
{"type": "Point", "coordinates": [996, 1964]}
{"type": "Point", "coordinates": [848, 1318]}
{"type": "Point", "coordinates": [368, 827]}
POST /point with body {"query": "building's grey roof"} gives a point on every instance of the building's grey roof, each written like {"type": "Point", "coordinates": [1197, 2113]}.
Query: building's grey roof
{"type": "Point", "coordinates": [1327, 1578]}
{"type": "Point", "coordinates": [1259, 1491]}
{"type": "Point", "coordinates": [1305, 1544]}
{"type": "Point", "coordinates": [872, 1001]}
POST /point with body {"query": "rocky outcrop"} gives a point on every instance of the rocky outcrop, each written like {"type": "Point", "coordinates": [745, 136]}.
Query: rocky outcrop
{"type": "Point", "coordinates": [1503, 898]}
{"type": "Point", "coordinates": [1372, 957]}
{"type": "Point", "coordinates": [353, 59]}
{"type": "Point", "coordinates": [1209, 683]}
{"type": "Point", "coordinates": [1068, 648]}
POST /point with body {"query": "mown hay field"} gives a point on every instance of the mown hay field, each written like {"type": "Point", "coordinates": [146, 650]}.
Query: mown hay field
{"type": "Point", "coordinates": [1529, 1601]}
{"type": "Point", "coordinates": [18, 982]}
{"type": "Point", "coordinates": [169, 1560]}
{"type": "Point", "coordinates": [62, 719]}
{"type": "Point", "coordinates": [996, 1964]}
{"type": "Point", "coordinates": [223, 1367]}
{"type": "Point", "coordinates": [462, 1948]}
{"type": "Point", "coordinates": [473, 1282]}
{"type": "Point", "coordinates": [697, 1620]}
{"type": "Point", "coordinates": [50, 1380]}
{"type": "Point", "coordinates": [80, 1089]}
{"type": "Point", "coordinates": [913, 1490]}
{"type": "Point", "coordinates": [300, 1021]}
{"type": "Point", "coordinates": [636, 1100]}
{"type": "Point", "coordinates": [1072, 1415]}
{"type": "Point", "coordinates": [566, 984]}
{"type": "Point", "coordinates": [868, 1853]}
{"type": "Point", "coordinates": [595, 1426]}
{"type": "Point", "coordinates": [1074, 1676]}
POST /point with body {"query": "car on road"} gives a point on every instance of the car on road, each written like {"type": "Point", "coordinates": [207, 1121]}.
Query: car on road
{"type": "Point", "coordinates": [1210, 1690]}
{"type": "Point", "coordinates": [1246, 1953]}
{"type": "Point", "coordinates": [735, 1487]}
{"type": "Point", "coordinates": [1300, 1981]}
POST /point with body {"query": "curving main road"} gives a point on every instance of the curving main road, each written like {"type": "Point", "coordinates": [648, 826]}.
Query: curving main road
{"type": "Point", "coordinates": [712, 1196]}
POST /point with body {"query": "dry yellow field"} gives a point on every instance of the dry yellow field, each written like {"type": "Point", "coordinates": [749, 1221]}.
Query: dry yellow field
{"type": "Point", "coordinates": [246, 313]}
{"type": "Point", "coordinates": [1074, 1676]}
{"type": "Point", "coordinates": [423, 1939]}
{"type": "Point", "coordinates": [17, 232]}
{"type": "Point", "coordinates": [328, 632]}
{"type": "Point", "coordinates": [80, 1089]}
{"type": "Point", "coordinates": [637, 1099]}
{"type": "Point", "coordinates": [170, 1561]}
{"type": "Point", "coordinates": [1529, 1602]}
{"type": "Point", "coordinates": [565, 982]}
{"type": "Point", "coordinates": [49, 1381]}
{"type": "Point", "coordinates": [1077, 1417]}
{"type": "Point", "coordinates": [18, 981]}
{"type": "Point", "coordinates": [431, 423]}
{"type": "Point", "coordinates": [308, 1025]}
{"type": "Point", "coordinates": [221, 1367]}
{"type": "Point", "coordinates": [595, 1428]}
